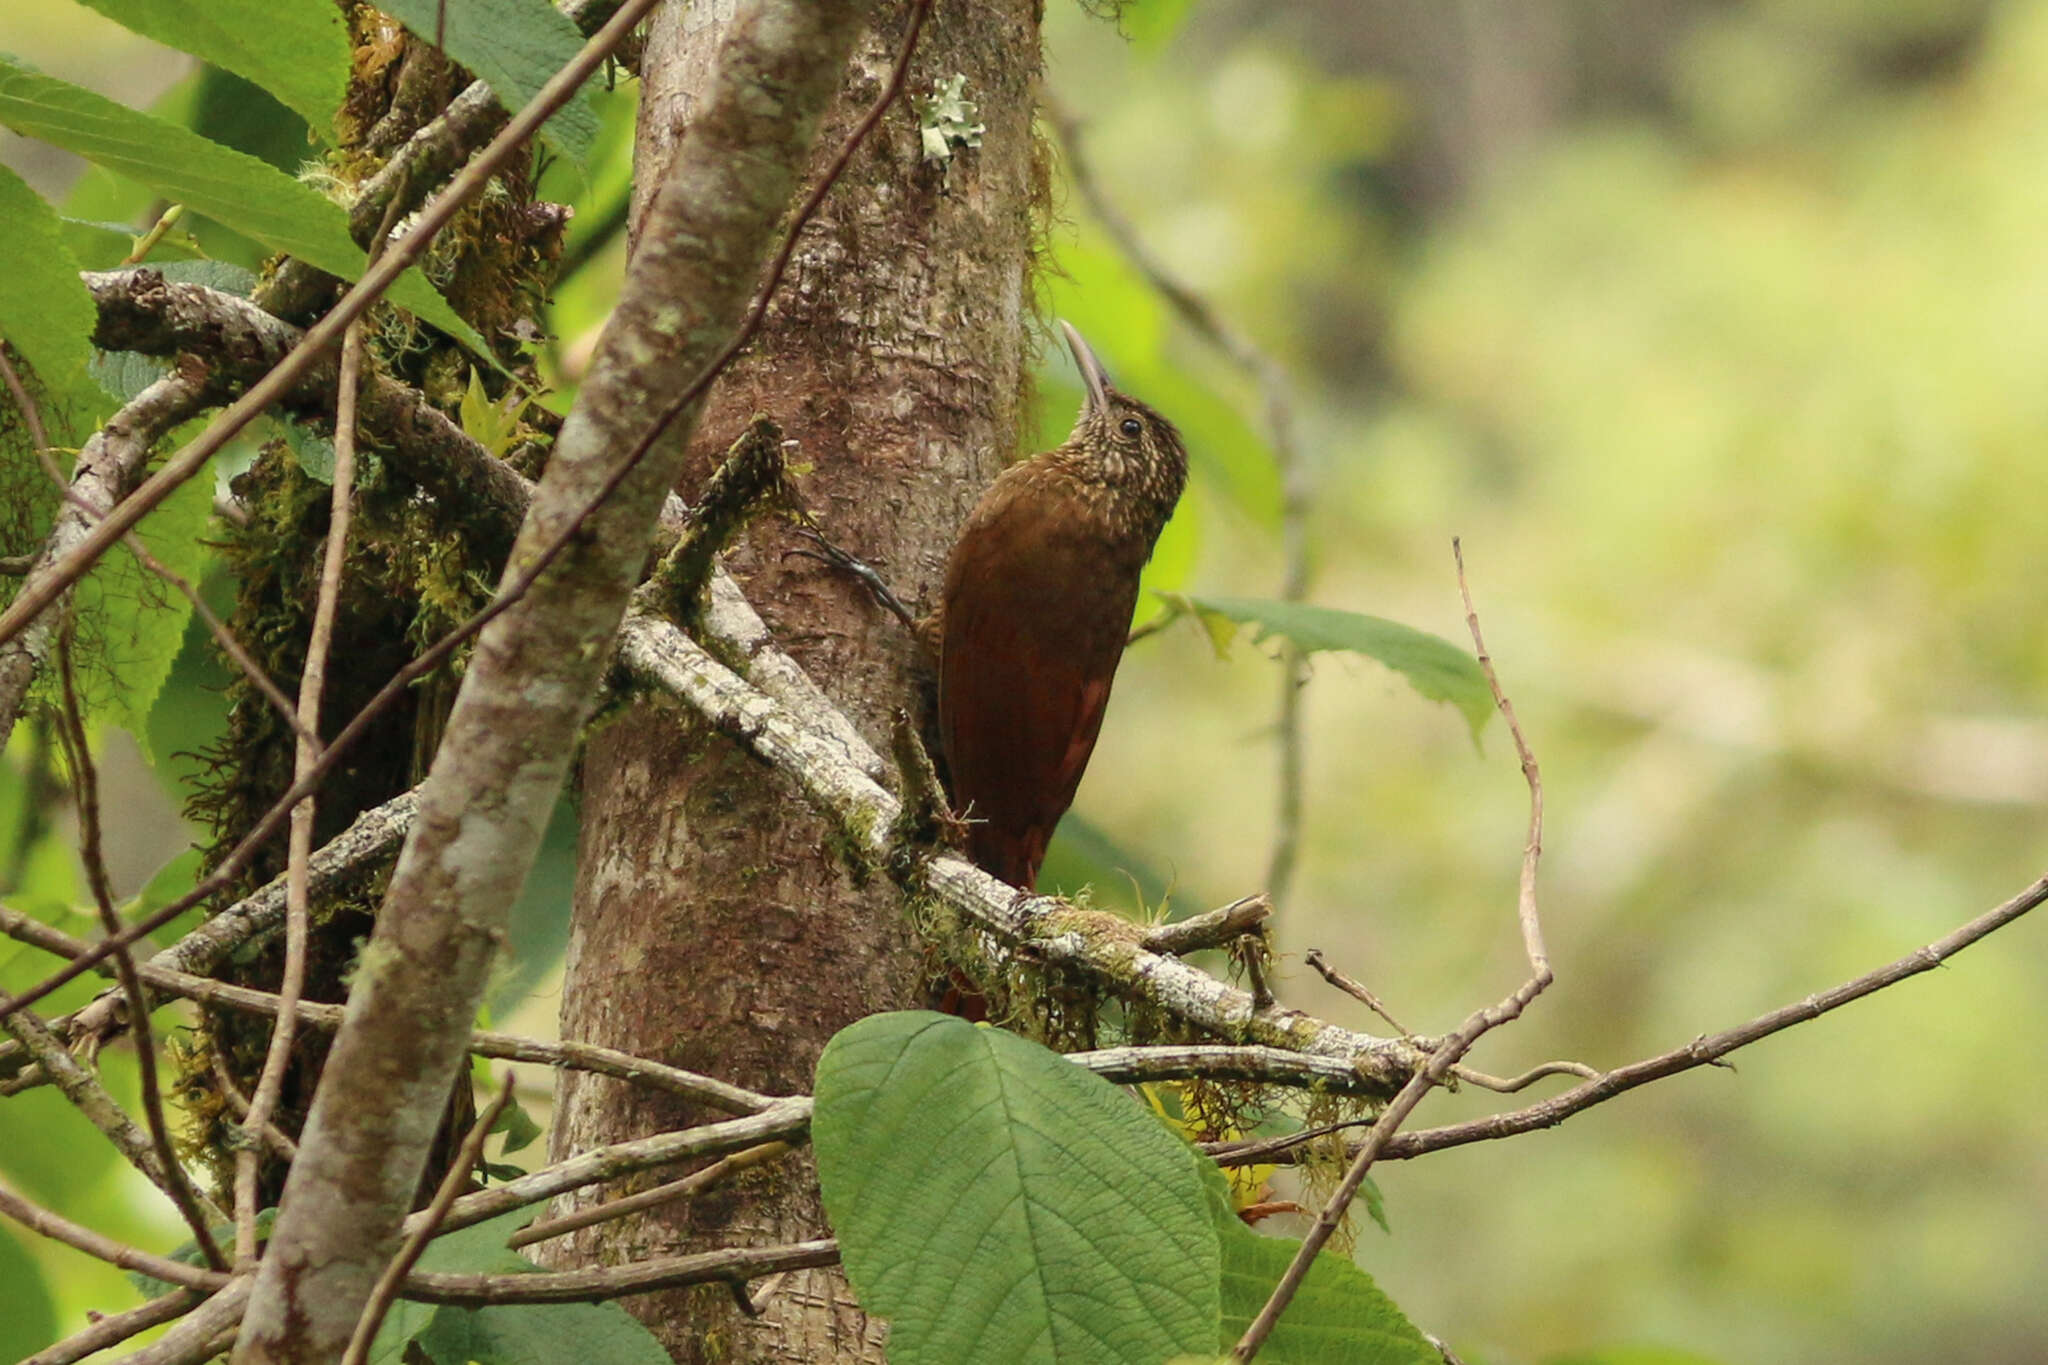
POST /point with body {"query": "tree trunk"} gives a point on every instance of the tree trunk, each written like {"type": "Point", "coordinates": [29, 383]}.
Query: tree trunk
{"type": "Point", "coordinates": [713, 926]}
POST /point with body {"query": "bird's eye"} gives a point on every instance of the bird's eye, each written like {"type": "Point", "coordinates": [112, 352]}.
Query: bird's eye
{"type": "Point", "coordinates": [1131, 427]}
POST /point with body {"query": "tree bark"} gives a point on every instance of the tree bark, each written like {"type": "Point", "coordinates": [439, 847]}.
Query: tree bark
{"type": "Point", "coordinates": [714, 925]}
{"type": "Point", "coordinates": [533, 681]}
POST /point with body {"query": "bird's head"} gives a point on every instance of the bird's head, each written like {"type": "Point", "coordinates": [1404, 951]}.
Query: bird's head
{"type": "Point", "coordinates": [1123, 443]}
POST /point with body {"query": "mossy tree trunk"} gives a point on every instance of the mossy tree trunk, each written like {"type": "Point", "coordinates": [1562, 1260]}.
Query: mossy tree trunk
{"type": "Point", "coordinates": [714, 926]}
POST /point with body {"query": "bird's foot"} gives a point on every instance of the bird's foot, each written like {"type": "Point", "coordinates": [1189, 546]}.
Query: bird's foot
{"type": "Point", "coordinates": [862, 572]}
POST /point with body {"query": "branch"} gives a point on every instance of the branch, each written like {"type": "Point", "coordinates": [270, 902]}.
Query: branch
{"type": "Point", "coordinates": [114, 1328]}
{"type": "Point", "coordinates": [660, 658]}
{"type": "Point", "coordinates": [604, 1061]}
{"type": "Point", "coordinates": [1453, 1049]}
{"type": "Point", "coordinates": [533, 677]}
{"type": "Point", "coordinates": [735, 1265]}
{"type": "Point", "coordinates": [697, 1181]}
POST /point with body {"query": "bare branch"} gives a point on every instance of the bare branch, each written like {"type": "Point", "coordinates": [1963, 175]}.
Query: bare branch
{"type": "Point", "coordinates": [385, 1292]}
{"type": "Point", "coordinates": [733, 1264]}
{"type": "Point", "coordinates": [661, 658]}
{"type": "Point", "coordinates": [532, 680]}
{"type": "Point", "coordinates": [1453, 1048]}
{"type": "Point", "coordinates": [1211, 928]}
{"type": "Point", "coordinates": [80, 1238]}
{"type": "Point", "coordinates": [85, 780]}
{"type": "Point", "coordinates": [112, 1329]}
{"type": "Point", "coordinates": [604, 1061]}
{"type": "Point", "coordinates": [717, 1172]}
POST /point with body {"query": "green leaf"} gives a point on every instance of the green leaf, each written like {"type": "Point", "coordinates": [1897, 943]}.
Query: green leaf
{"type": "Point", "coordinates": [509, 1334]}
{"type": "Point", "coordinates": [1337, 1317]}
{"type": "Point", "coordinates": [516, 45]}
{"type": "Point", "coordinates": [518, 1127]}
{"type": "Point", "coordinates": [314, 452]}
{"type": "Point", "coordinates": [30, 1322]}
{"type": "Point", "coordinates": [1150, 23]}
{"type": "Point", "coordinates": [187, 1252]}
{"type": "Point", "coordinates": [997, 1203]}
{"type": "Point", "coordinates": [131, 623]}
{"type": "Point", "coordinates": [298, 50]}
{"type": "Point", "coordinates": [1433, 666]}
{"type": "Point", "coordinates": [46, 315]}
{"type": "Point", "coordinates": [103, 246]}
{"type": "Point", "coordinates": [540, 1334]}
{"type": "Point", "coordinates": [247, 194]}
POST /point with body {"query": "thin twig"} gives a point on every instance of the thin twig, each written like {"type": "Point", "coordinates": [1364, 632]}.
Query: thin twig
{"type": "Point", "coordinates": [312, 681]}
{"type": "Point", "coordinates": [112, 1329]}
{"type": "Point", "coordinates": [1453, 1048]}
{"type": "Point", "coordinates": [1356, 989]}
{"type": "Point", "coordinates": [280, 1142]}
{"type": "Point", "coordinates": [1296, 490]}
{"type": "Point", "coordinates": [385, 1292]}
{"type": "Point", "coordinates": [78, 1237]}
{"type": "Point", "coordinates": [716, 1173]}
{"type": "Point", "coordinates": [1212, 928]}
{"type": "Point", "coordinates": [603, 1061]}
{"type": "Point", "coordinates": [730, 1265]}
{"type": "Point", "coordinates": [86, 783]}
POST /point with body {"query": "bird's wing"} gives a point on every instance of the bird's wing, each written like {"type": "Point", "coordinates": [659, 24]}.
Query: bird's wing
{"type": "Point", "coordinates": [1024, 678]}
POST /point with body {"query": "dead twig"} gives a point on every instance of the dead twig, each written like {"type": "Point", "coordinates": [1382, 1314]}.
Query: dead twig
{"type": "Point", "coordinates": [1453, 1048]}
{"type": "Point", "coordinates": [385, 1292]}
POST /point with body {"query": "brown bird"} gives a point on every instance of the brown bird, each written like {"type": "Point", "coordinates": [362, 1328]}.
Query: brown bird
{"type": "Point", "coordinates": [1032, 620]}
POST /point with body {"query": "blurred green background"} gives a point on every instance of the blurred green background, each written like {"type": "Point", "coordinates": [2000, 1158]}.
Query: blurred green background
{"type": "Point", "coordinates": [1716, 328]}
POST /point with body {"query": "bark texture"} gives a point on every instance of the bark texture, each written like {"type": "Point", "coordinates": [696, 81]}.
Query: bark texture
{"type": "Point", "coordinates": [532, 684]}
{"type": "Point", "coordinates": [715, 926]}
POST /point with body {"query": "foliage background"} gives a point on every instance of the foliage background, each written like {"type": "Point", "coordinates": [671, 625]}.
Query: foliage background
{"type": "Point", "coordinates": [1716, 331]}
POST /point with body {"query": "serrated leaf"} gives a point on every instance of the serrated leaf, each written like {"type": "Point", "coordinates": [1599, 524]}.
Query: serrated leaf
{"type": "Point", "coordinates": [248, 195]}
{"type": "Point", "coordinates": [225, 276]}
{"type": "Point", "coordinates": [996, 1203]}
{"type": "Point", "coordinates": [1433, 666]}
{"type": "Point", "coordinates": [1337, 1317]}
{"type": "Point", "coordinates": [123, 374]}
{"type": "Point", "coordinates": [46, 315]}
{"type": "Point", "coordinates": [516, 46]}
{"type": "Point", "coordinates": [298, 50]}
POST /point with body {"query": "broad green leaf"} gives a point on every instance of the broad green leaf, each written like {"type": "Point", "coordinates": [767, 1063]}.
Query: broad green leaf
{"type": "Point", "coordinates": [540, 1334]}
{"type": "Point", "coordinates": [1337, 1317]}
{"type": "Point", "coordinates": [247, 194]}
{"type": "Point", "coordinates": [509, 1334]}
{"type": "Point", "coordinates": [30, 1322]}
{"type": "Point", "coordinates": [996, 1203]}
{"type": "Point", "coordinates": [515, 45]}
{"type": "Point", "coordinates": [475, 1250]}
{"type": "Point", "coordinates": [103, 246]}
{"type": "Point", "coordinates": [46, 315]}
{"type": "Point", "coordinates": [298, 50]}
{"type": "Point", "coordinates": [132, 623]}
{"type": "Point", "coordinates": [1433, 666]}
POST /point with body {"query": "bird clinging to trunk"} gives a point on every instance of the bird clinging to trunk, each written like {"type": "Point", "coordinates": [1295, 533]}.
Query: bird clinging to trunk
{"type": "Point", "coordinates": [1037, 604]}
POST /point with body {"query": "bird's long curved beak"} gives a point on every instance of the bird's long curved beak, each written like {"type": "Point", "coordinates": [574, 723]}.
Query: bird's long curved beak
{"type": "Point", "coordinates": [1091, 370]}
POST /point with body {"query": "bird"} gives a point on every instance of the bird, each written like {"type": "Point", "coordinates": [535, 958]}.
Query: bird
{"type": "Point", "coordinates": [1035, 607]}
